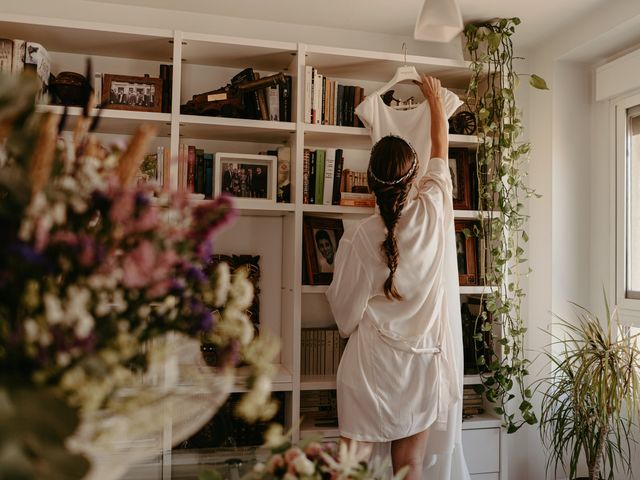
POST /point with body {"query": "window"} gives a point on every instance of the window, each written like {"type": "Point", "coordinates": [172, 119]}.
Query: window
{"type": "Point", "coordinates": [632, 204]}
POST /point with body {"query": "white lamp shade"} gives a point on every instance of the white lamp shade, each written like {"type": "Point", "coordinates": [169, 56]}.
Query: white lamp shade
{"type": "Point", "coordinates": [439, 21]}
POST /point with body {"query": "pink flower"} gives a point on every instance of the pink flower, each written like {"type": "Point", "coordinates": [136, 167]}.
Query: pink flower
{"type": "Point", "coordinates": [291, 454]}
{"type": "Point", "coordinates": [147, 221]}
{"type": "Point", "coordinates": [160, 289]}
{"type": "Point", "coordinates": [122, 207]}
{"type": "Point", "coordinates": [313, 450]}
{"type": "Point", "coordinates": [276, 462]}
{"type": "Point", "coordinates": [138, 265]}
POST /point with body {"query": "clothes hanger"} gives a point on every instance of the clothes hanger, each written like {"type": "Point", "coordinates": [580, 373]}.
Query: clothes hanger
{"type": "Point", "coordinates": [403, 73]}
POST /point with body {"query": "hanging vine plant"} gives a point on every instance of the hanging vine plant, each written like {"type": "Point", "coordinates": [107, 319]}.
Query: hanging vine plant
{"type": "Point", "coordinates": [500, 161]}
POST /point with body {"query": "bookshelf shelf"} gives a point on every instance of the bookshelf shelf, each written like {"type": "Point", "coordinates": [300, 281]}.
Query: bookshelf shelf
{"type": "Point", "coordinates": [470, 141]}
{"type": "Point", "coordinates": [337, 209]}
{"type": "Point", "coordinates": [472, 379]}
{"type": "Point", "coordinates": [123, 122]}
{"type": "Point", "coordinates": [235, 129]}
{"type": "Point", "coordinates": [256, 208]}
{"type": "Point", "coordinates": [237, 52]}
{"type": "Point", "coordinates": [329, 136]}
{"type": "Point", "coordinates": [477, 289]}
{"type": "Point", "coordinates": [307, 428]}
{"type": "Point", "coordinates": [70, 36]}
{"type": "Point", "coordinates": [282, 381]}
{"type": "Point", "coordinates": [315, 289]}
{"type": "Point", "coordinates": [317, 382]}
{"type": "Point", "coordinates": [381, 66]}
{"type": "Point", "coordinates": [483, 420]}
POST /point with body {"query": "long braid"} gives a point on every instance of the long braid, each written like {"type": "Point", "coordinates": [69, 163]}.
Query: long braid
{"type": "Point", "coordinates": [391, 159]}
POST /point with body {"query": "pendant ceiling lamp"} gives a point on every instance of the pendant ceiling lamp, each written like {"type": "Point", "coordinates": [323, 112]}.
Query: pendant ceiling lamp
{"type": "Point", "coordinates": [439, 21]}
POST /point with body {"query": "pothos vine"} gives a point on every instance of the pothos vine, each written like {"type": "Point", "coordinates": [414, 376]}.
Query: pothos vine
{"type": "Point", "coordinates": [500, 160]}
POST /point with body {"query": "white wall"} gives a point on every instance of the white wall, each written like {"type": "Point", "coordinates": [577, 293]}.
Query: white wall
{"type": "Point", "coordinates": [571, 224]}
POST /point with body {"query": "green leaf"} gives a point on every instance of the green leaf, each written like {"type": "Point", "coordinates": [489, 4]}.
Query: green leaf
{"type": "Point", "coordinates": [538, 82]}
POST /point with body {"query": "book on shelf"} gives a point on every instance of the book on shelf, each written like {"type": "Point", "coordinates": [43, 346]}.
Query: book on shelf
{"type": "Point", "coordinates": [284, 100]}
{"type": "Point", "coordinates": [327, 102]}
{"type": "Point", "coordinates": [166, 74]}
{"type": "Point", "coordinates": [319, 408]}
{"type": "Point", "coordinates": [196, 171]}
{"type": "Point", "coordinates": [348, 199]}
{"type": "Point", "coordinates": [319, 180]}
{"type": "Point", "coordinates": [273, 94]}
{"type": "Point", "coordinates": [329, 166]}
{"type": "Point", "coordinates": [321, 350]}
{"type": "Point", "coordinates": [337, 176]}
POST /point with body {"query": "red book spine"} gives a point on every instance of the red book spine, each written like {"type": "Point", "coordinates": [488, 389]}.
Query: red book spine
{"type": "Point", "coordinates": [191, 169]}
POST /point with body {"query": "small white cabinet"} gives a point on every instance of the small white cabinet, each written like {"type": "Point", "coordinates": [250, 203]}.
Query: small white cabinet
{"type": "Point", "coordinates": [482, 452]}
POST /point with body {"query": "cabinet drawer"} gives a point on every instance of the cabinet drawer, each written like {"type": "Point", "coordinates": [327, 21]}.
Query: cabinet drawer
{"type": "Point", "coordinates": [482, 451]}
{"type": "Point", "coordinates": [486, 476]}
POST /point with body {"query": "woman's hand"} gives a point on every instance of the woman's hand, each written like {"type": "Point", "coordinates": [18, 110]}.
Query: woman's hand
{"type": "Point", "coordinates": [432, 91]}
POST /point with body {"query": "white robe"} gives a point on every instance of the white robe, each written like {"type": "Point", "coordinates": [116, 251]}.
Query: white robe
{"type": "Point", "coordinates": [401, 399]}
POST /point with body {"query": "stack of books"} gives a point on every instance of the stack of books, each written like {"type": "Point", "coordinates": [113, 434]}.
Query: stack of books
{"type": "Point", "coordinates": [321, 350]}
{"type": "Point", "coordinates": [471, 402]}
{"type": "Point", "coordinates": [195, 170]}
{"type": "Point", "coordinates": [330, 103]}
{"type": "Point", "coordinates": [320, 407]}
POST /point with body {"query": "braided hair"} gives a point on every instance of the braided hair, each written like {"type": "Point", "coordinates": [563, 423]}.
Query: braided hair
{"type": "Point", "coordinates": [392, 169]}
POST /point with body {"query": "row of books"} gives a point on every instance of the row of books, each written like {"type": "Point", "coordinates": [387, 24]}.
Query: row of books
{"type": "Point", "coordinates": [195, 170]}
{"type": "Point", "coordinates": [328, 102]}
{"type": "Point", "coordinates": [326, 182]}
{"type": "Point", "coordinates": [321, 349]}
{"type": "Point", "coordinates": [471, 402]}
{"type": "Point", "coordinates": [320, 407]}
{"type": "Point", "coordinates": [278, 102]}
{"type": "Point", "coordinates": [18, 55]}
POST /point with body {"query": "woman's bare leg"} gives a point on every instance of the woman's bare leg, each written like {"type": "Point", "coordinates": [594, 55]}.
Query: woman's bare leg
{"type": "Point", "coordinates": [410, 451]}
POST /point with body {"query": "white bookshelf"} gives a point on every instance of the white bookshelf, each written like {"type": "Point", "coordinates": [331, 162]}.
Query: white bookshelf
{"type": "Point", "coordinates": [204, 62]}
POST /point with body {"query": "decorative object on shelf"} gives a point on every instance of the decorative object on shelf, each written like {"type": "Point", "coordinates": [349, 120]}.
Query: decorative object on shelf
{"type": "Point", "coordinates": [284, 174]}
{"type": "Point", "coordinates": [124, 92]}
{"type": "Point", "coordinates": [591, 396]}
{"type": "Point", "coordinates": [246, 265]}
{"type": "Point", "coordinates": [466, 248]}
{"type": "Point", "coordinates": [321, 237]}
{"type": "Point", "coordinates": [460, 170]}
{"type": "Point", "coordinates": [462, 123]}
{"type": "Point", "coordinates": [70, 89]}
{"type": "Point", "coordinates": [246, 177]}
{"type": "Point", "coordinates": [244, 97]}
{"type": "Point", "coordinates": [471, 402]}
{"type": "Point", "coordinates": [100, 293]}
{"type": "Point", "coordinates": [501, 170]}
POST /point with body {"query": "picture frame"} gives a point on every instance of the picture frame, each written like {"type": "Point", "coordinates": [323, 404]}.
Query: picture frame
{"type": "Point", "coordinates": [126, 92]}
{"type": "Point", "coordinates": [466, 250]}
{"type": "Point", "coordinates": [249, 178]}
{"type": "Point", "coordinates": [321, 237]}
{"type": "Point", "coordinates": [460, 178]}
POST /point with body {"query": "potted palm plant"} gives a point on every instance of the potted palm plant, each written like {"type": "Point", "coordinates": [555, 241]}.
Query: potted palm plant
{"type": "Point", "coordinates": [590, 400]}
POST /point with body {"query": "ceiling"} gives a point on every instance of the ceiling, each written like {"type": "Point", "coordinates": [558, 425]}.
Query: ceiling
{"type": "Point", "coordinates": [397, 17]}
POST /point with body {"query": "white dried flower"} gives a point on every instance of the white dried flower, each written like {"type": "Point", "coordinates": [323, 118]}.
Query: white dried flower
{"type": "Point", "coordinates": [63, 359]}
{"type": "Point", "coordinates": [53, 309]}
{"type": "Point", "coordinates": [303, 465]}
{"type": "Point", "coordinates": [31, 330]}
{"type": "Point", "coordinates": [223, 282]}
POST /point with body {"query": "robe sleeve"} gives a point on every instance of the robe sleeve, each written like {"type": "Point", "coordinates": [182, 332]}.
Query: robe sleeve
{"type": "Point", "coordinates": [350, 289]}
{"type": "Point", "coordinates": [435, 186]}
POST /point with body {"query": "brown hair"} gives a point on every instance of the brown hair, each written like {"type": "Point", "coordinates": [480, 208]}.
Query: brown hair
{"type": "Point", "coordinates": [392, 159]}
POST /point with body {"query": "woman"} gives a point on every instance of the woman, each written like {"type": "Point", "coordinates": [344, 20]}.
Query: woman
{"type": "Point", "coordinates": [396, 380]}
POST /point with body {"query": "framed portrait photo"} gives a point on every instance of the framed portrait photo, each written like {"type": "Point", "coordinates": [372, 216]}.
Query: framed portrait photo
{"type": "Point", "coordinates": [321, 237]}
{"type": "Point", "coordinates": [246, 177]}
{"type": "Point", "coordinates": [124, 92]}
{"type": "Point", "coordinates": [460, 171]}
{"type": "Point", "coordinates": [466, 248]}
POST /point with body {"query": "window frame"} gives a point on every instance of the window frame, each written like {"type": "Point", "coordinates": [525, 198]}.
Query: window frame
{"type": "Point", "coordinates": [628, 308]}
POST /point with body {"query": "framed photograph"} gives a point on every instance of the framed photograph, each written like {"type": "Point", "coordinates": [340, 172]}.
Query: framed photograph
{"type": "Point", "coordinates": [321, 237]}
{"type": "Point", "coordinates": [466, 248]}
{"type": "Point", "coordinates": [460, 178]}
{"type": "Point", "coordinates": [246, 177]}
{"type": "Point", "coordinates": [123, 92]}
